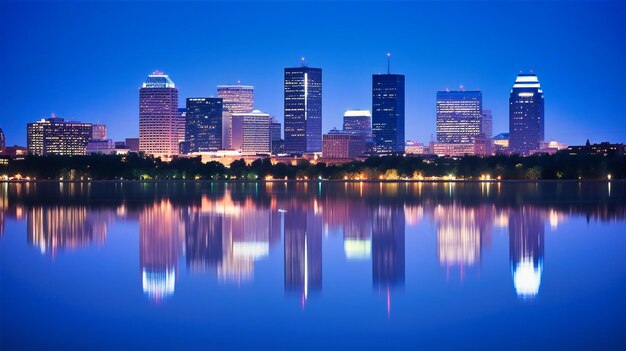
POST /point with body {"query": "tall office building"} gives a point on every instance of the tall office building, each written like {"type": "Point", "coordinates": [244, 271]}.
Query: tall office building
{"type": "Point", "coordinates": [57, 136]}
{"type": "Point", "coordinates": [203, 130]}
{"type": "Point", "coordinates": [303, 110]}
{"type": "Point", "coordinates": [486, 124]}
{"type": "Point", "coordinates": [3, 141]}
{"type": "Point", "coordinates": [181, 125]}
{"type": "Point", "coordinates": [388, 113]}
{"type": "Point", "coordinates": [251, 132]}
{"type": "Point", "coordinates": [158, 115]}
{"type": "Point", "coordinates": [357, 122]}
{"type": "Point", "coordinates": [526, 118]}
{"type": "Point", "coordinates": [237, 98]}
{"type": "Point", "coordinates": [459, 116]}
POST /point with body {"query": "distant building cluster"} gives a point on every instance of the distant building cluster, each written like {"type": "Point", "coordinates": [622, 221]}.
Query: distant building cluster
{"type": "Point", "coordinates": [230, 125]}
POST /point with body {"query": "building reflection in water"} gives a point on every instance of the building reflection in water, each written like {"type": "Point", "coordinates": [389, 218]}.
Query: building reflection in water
{"type": "Point", "coordinates": [226, 232]}
{"type": "Point", "coordinates": [388, 247]}
{"type": "Point", "coordinates": [526, 241]}
{"type": "Point", "coordinates": [161, 232]}
{"type": "Point", "coordinates": [54, 228]}
{"type": "Point", "coordinates": [303, 251]}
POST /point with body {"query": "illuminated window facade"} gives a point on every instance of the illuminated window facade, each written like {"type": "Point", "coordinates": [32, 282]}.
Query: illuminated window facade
{"type": "Point", "coordinates": [357, 122]}
{"type": "Point", "coordinates": [158, 116]}
{"type": "Point", "coordinates": [303, 110]}
{"type": "Point", "coordinates": [459, 116]}
{"type": "Point", "coordinates": [237, 98]}
{"type": "Point", "coordinates": [526, 115]}
{"type": "Point", "coordinates": [57, 136]}
{"type": "Point", "coordinates": [388, 113]}
{"type": "Point", "coordinates": [251, 132]}
{"type": "Point", "coordinates": [204, 124]}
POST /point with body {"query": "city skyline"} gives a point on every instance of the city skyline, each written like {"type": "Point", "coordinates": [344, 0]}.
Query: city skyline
{"type": "Point", "coordinates": [572, 114]}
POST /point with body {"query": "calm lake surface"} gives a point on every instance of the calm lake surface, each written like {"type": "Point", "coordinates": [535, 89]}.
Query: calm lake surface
{"type": "Point", "coordinates": [318, 265]}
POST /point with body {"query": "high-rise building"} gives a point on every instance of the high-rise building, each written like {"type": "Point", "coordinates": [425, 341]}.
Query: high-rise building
{"type": "Point", "coordinates": [237, 98]}
{"type": "Point", "coordinates": [486, 125]}
{"type": "Point", "coordinates": [303, 110]}
{"type": "Point", "coordinates": [526, 115]}
{"type": "Point", "coordinates": [357, 122]}
{"type": "Point", "coordinates": [98, 131]}
{"type": "Point", "coordinates": [278, 144]}
{"type": "Point", "coordinates": [158, 115]}
{"type": "Point", "coordinates": [459, 116]}
{"type": "Point", "coordinates": [57, 136]}
{"type": "Point", "coordinates": [251, 132]}
{"type": "Point", "coordinates": [203, 130]}
{"type": "Point", "coordinates": [227, 125]}
{"type": "Point", "coordinates": [388, 113]}
{"type": "Point", "coordinates": [3, 141]}
{"type": "Point", "coordinates": [181, 125]}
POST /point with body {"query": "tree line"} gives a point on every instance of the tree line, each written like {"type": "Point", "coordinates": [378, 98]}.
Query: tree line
{"type": "Point", "coordinates": [135, 166]}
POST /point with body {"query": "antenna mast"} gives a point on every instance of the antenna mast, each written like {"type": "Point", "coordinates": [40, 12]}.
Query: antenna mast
{"type": "Point", "coordinates": [388, 63]}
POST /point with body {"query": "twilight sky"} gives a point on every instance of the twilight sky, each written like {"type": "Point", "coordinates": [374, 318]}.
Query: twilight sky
{"type": "Point", "coordinates": [86, 61]}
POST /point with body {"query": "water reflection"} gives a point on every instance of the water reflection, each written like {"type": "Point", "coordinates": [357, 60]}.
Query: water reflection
{"type": "Point", "coordinates": [224, 229]}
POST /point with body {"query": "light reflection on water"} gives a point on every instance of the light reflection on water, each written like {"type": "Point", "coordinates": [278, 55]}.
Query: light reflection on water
{"type": "Point", "coordinates": [225, 230]}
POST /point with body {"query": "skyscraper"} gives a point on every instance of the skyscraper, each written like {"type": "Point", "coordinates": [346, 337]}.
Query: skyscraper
{"type": "Point", "coordinates": [459, 116]}
{"type": "Point", "coordinates": [237, 98]}
{"type": "Point", "coordinates": [388, 113]}
{"type": "Point", "coordinates": [181, 125]}
{"type": "Point", "coordinates": [526, 118]}
{"type": "Point", "coordinates": [486, 126]}
{"type": "Point", "coordinates": [2, 141]}
{"type": "Point", "coordinates": [57, 136]}
{"type": "Point", "coordinates": [303, 110]}
{"type": "Point", "coordinates": [357, 122]}
{"type": "Point", "coordinates": [203, 131]}
{"type": "Point", "coordinates": [158, 114]}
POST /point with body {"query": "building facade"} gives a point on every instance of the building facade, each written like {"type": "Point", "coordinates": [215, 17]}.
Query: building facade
{"type": "Point", "coordinates": [98, 131]}
{"type": "Point", "coordinates": [357, 122]}
{"type": "Point", "coordinates": [158, 116]}
{"type": "Point", "coordinates": [486, 124]}
{"type": "Point", "coordinates": [203, 130]}
{"type": "Point", "coordinates": [303, 110]}
{"type": "Point", "coordinates": [3, 142]}
{"type": "Point", "coordinates": [526, 115]}
{"type": "Point", "coordinates": [237, 98]}
{"type": "Point", "coordinates": [388, 113]}
{"type": "Point", "coordinates": [251, 132]}
{"type": "Point", "coordinates": [57, 136]}
{"type": "Point", "coordinates": [459, 116]}
{"type": "Point", "coordinates": [341, 145]}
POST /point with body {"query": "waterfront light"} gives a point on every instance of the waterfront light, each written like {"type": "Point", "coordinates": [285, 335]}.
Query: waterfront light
{"type": "Point", "coordinates": [608, 177]}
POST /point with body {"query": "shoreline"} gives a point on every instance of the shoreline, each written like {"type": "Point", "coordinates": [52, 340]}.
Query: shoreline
{"type": "Point", "coordinates": [407, 181]}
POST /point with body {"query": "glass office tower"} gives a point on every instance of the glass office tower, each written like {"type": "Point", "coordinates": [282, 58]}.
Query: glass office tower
{"type": "Point", "coordinates": [526, 118]}
{"type": "Point", "coordinates": [303, 110]}
{"type": "Point", "coordinates": [388, 113]}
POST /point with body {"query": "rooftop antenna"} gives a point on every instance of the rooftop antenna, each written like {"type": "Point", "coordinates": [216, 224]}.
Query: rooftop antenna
{"type": "Point", "coordinates": [388, 63]}
{"type": "Point", "coordinates": [303, 61]}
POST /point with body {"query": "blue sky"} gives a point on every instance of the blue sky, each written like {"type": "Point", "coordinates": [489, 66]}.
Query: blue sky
{"type": "Point", "coordinates": [85, 61]}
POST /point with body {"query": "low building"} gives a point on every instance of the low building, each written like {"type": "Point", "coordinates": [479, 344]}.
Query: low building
{"type": "Point", "coordinates": [604, 148]}
{"type": "Point", "coordinates": [57, 136]}
{"type": "Point", "coordinates": [132, 144]}
{"type": "Point", "coordinates": [414, 148]}
{"type": "Point", "coordinates": [105, 146]}
{"type": "Point", "coordinates": [339, 145]}
{"type": "Point", "coordinates": [452, 149]}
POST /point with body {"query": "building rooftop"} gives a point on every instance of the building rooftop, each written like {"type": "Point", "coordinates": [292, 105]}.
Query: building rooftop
{"type": "Point", "coordinates": [158, 79]}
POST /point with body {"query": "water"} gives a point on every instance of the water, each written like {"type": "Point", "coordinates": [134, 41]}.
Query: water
{"type": "Point", "coordinates": [296, 266]}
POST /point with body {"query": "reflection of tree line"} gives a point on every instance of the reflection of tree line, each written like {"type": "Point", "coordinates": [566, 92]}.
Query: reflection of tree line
{"type": "Point", "coordinates": [223, 232]}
